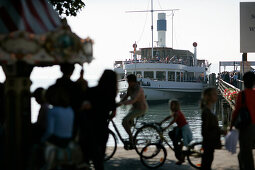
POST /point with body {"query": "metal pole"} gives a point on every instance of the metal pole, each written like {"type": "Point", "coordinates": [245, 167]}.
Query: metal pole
{"type": "Point", "coordinates": [152, 29]}
{"type": "Point", "coordinates": [172, 29]}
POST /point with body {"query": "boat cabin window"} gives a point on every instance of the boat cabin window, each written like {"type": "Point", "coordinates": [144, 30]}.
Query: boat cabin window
{"type": "Point", "coordinates": [121, 76]}
{"type": "Point", "coordinates": [148, 74]}
{"type": "Point", "coordinates": [128, 73]}
{"type": "Point", "coordinates": [138, 72]}
{"type": "Point", "coordinates": [171, 76]}
{"type": "Point", "coordinates": [161, 75]}
{"type": "Point", "coordinates": [190, 76]}
{"type": "Point", "coordinates": [178, 75]}
{"type": "Point", "coordinates": [182, 76]}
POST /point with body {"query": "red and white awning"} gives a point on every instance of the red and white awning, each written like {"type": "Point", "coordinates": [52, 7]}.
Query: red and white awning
{"type": "Point", "coordinates": [33, 16]}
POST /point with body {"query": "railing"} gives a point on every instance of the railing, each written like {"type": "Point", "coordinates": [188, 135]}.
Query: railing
{"type": "Point", "coordinates": [228, 91]}
{"type": "Point", "coordinates": [240, 84]}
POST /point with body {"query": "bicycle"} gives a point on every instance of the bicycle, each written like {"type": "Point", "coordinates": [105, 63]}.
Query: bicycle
{"type": "Point", "coordinates": [137, 144]}
{"type": "Point", "coordinates": [153, 155]}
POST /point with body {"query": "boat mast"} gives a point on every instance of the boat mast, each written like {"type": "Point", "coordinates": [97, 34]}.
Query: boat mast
{"type": "Point", "coordinates": [152, 29]}
{"type": "Point", "coordinates": [152, 11]}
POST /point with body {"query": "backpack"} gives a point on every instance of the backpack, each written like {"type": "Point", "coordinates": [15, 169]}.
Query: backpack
{"type": "Point", "coordinates": [244, 118]}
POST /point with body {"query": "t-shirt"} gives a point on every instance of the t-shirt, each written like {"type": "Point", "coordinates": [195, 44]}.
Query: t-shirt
{"type": "Point", "coordinates": [181, 120]}
{"type": "Point", "coordinates": [249, 102]}
{"type": "Point", "coordinates": [60, 122]}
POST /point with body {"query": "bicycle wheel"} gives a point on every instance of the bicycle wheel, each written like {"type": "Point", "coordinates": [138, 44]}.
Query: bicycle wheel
{"type": "Point", "coordinates": [194, 155]}
{"type": "Point", "coordinates": [144, 136]}
{"type": "Point", "coordinates": [153, 155]}
{"type": "Point", "coordinates": [111, 146]}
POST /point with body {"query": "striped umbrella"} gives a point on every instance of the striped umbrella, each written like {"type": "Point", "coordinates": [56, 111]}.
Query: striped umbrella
{"type": "Point", "coordinates": [33, 16]}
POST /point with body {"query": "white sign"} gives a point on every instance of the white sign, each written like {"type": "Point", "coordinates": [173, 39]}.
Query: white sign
{"type": "Point", "coordinates": [247, 27]}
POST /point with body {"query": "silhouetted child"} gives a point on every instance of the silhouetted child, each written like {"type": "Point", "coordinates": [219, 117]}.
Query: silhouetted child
{"type": "Point", "coordinates": [39, 95]}
{"type": "Point", "coordinates": [182, 131]}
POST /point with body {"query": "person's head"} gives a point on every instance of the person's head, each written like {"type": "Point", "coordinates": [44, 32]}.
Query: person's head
{"type": "Point", "coordinates": [174, 105]}
{"type": "Point", "coordinates": [108, 82]}
{"type": "Point", "coordinates": [132, 81]}
{"type": "Point", "coordinates": [38, 94]}
{"type": "Point", "coordinates": [67, 69]}
{"type": "Point", "coordinates": [209, 97]}
{"type": "Point", "coordinates": [58, 96]}
{"type": "Point", "coordinates": [249, 80]}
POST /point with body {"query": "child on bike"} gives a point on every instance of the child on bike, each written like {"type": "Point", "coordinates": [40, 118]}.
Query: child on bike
{"type": "Point", "coordinates": [181, 131]}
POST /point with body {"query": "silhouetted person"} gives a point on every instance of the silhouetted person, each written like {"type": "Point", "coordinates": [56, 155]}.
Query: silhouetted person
{"type": "Point", "coordinates": [247, 134]}
{"type": "Point", "coordinates": [138, 101]}
{"type": "Point", "coordinates": [94, 122]}
{"type": "Point", "coordinates": [40, 125]}
{"type": "Point", "coordinates": [210, 128]}
{"type": "Point", "coordinates": [73, 90]}
{"type": "Point", "coordinates": [81, 82]}
{"type": "Point", "coordinates": [1, 104]}
{"type": "Point", "coordinates": [2, 115]}
{"type": "Point", "coordinates": [60, 119]}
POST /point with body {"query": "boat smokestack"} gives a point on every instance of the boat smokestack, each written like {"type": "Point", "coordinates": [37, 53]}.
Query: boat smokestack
{"type": "Point", "coordinates": [161, 28]}
{"type": "Point", "coordinates": [195, 53]}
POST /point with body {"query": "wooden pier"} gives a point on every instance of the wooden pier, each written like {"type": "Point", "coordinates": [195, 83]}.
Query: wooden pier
{"type": "Point", "coordinates": [226, 100]}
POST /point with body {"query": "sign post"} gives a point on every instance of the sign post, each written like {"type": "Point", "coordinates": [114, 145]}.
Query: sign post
{"type": "Point", "coordinates": [247, 27]}
{"type": "Point", "coordinates": [247, 32]}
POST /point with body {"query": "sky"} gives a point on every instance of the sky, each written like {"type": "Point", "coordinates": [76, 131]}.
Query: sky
{"type": "Point", "coordinates": [213, 24]}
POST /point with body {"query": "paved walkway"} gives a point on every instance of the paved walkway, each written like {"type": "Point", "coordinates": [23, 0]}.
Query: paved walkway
{"type": "Point", "coordinates": [129, 160]}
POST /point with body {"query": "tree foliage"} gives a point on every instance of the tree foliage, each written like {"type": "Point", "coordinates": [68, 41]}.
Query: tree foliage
{"type": "Point", "coordinates": [67, 7]}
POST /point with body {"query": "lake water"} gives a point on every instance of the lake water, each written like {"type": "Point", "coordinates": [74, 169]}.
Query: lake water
{"type": "Point", "coordinates": [155, 113]}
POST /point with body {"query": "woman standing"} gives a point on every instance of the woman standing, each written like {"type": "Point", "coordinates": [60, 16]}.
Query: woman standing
{"type": "Point", "coordinates": [94, 122]}
{"type": "Point", "coordinates": [210, 127]}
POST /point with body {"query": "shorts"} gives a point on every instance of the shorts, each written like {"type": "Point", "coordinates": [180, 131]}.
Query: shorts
{"type": "Point", "coordinates": [132, 114]}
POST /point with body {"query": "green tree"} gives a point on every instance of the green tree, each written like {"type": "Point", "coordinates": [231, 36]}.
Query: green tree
{"type": "Point", "coordinates": [67, 7]}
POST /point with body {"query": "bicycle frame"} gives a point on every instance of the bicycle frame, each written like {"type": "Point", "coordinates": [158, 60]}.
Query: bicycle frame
{"type": "Point", "coordinates": [163, 139]}
{"type": "Point", "coordinates": [118, 132]}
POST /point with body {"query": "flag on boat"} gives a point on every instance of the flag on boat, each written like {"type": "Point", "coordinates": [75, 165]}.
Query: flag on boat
{"type": "Point", "coordinates": [33, 16]}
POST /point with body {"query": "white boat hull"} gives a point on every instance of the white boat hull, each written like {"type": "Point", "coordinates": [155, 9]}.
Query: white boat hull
{"type": "Point", "coordinates": [165, 90]}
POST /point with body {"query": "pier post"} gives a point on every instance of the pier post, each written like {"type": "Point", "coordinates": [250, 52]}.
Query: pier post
{"type": "Point", "coordinates": [17, 115]}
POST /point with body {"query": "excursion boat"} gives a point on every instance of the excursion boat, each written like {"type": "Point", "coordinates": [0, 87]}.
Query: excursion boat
{"type": "Point", "coordinates": [164, 78]}
{"type": "Point", "coordinates": [164, 73]}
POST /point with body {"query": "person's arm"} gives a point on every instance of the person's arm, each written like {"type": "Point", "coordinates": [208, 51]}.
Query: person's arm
{"type": "Point", "coordinates": [237, 108]}
{"type": "Point", "coordinates": [136, 97]}
{"type": "Point", "coordinates": [166, 119]}
{"type": "Point", "coordinates": [175, 116]}
{"type": "Point", "coordinates": [125, 97]}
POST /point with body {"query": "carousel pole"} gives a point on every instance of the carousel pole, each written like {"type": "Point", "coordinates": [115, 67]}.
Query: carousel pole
{"type": "Point", "coordinates": [17, 114]}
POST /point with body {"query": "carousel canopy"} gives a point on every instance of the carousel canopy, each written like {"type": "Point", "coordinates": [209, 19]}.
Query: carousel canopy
{"type": "Point", "coordinates": [31, 31]}
{"type": "Point", "coordinates": [33, 16]}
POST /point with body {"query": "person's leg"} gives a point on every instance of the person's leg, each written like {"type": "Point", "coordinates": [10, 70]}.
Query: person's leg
{"type": "Point", "coordinates": [176, 139]}
{"type": "Point", "coordinates": [98, 158]}
{"type": "Point", "coordinates": [128, 121]}
{"type": "Point", "coordinates": [207, 158]}
{"type": "Point", "coordinates": [245, 155]}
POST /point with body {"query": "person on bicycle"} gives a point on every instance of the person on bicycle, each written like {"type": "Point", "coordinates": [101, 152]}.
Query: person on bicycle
{"type": "Point", "coordinates": [182, 131]}
{"type": "Point", "coordinates": [137, 99]}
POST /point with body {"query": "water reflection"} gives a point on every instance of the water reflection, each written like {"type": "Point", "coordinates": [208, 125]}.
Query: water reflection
{"type": "Point", "coordinates": [158, 112]}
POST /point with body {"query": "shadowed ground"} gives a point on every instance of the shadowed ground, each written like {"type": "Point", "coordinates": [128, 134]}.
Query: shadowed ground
{"type": "Point", "coordinates": [129, 160]}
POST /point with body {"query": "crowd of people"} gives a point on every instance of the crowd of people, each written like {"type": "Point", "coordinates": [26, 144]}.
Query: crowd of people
{"type": "Point", "coordinates": [230, 77]}
{"type": "Point", "coordinates": [72, 111]}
